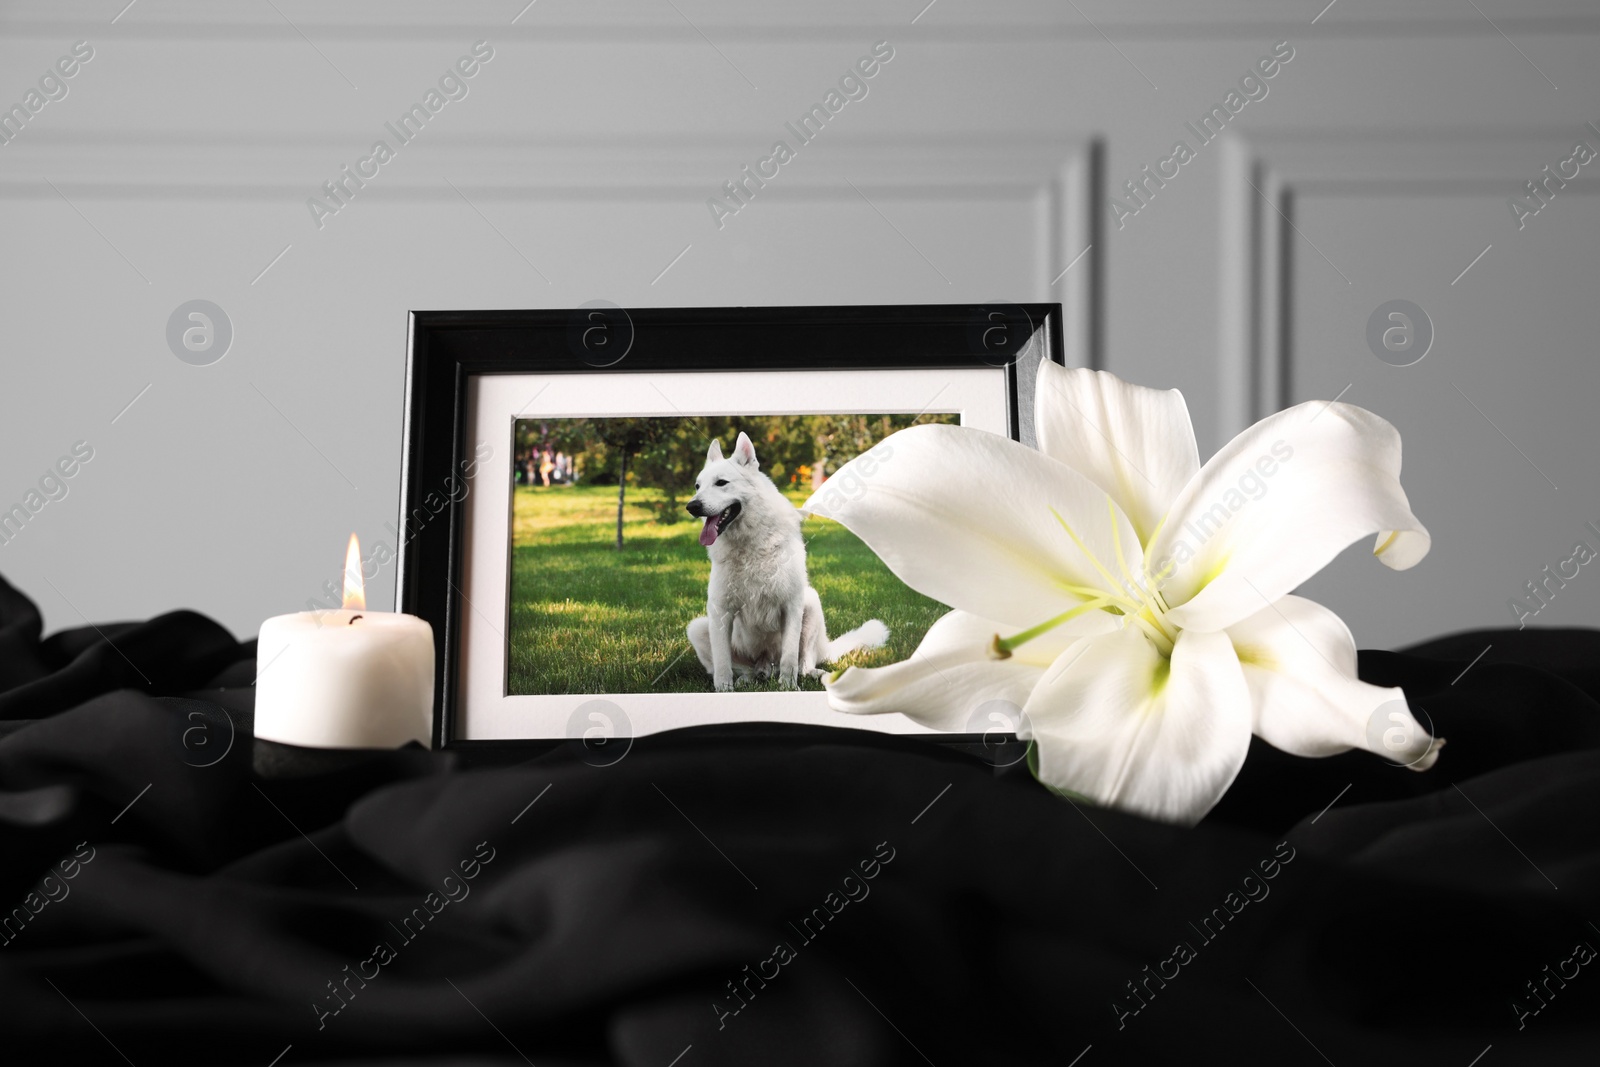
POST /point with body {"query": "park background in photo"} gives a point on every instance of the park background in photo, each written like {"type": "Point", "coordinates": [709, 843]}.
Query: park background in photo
{"type": "Point", "coordinates": [606, 565]}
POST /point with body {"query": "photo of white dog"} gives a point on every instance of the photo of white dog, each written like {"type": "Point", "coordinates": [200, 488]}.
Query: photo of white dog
{"type": "Point", "coordinates": [762, 615]}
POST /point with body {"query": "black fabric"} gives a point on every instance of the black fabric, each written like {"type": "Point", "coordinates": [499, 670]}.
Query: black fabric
{"type": "Point", "coordinates": [209, 906]}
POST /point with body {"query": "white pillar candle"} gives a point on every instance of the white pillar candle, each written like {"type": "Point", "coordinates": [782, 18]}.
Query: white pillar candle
{"type": "Point", "coordinates": [346, 677]}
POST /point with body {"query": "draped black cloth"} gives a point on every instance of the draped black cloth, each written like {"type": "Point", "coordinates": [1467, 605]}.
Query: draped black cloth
{"type": "Point", "coordinates": [177, 893]}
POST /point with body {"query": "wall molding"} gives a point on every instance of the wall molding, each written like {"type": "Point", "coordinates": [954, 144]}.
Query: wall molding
{"type": "Point", "coordinates": [1061, 179]}
{"type": "Point", "coordinates": [1263, 183]}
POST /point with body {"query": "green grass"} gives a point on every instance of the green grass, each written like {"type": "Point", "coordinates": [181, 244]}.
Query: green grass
{"type": "Point", "coordinates": [586, 618]}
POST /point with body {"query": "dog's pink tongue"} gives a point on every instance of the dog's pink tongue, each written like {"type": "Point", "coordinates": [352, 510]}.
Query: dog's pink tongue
{"type": "Point", "coordinates": [708, 532]}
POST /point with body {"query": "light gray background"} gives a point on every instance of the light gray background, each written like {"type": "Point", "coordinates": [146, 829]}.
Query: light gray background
{"type": "Point", "coordinates": [179, 164]}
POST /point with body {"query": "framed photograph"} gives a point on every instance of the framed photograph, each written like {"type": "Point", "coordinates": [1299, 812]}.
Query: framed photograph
{"type": "Point", "coordinates": [554, 535]}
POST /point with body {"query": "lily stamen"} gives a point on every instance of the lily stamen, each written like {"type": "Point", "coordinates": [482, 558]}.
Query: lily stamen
{"type": "Point", "coordinates": [1144, 612]}
{"type": "Point", "coordinates": [1003, 647]}
{"type": "Point", "coordinates": [1107, 575]}
{"type": "Point", "coordinates": [1166, 572]}
{"type": "Point", "coordinates": [1159, 637]}
{"type": "Point", "coordinates": [1122, 563]}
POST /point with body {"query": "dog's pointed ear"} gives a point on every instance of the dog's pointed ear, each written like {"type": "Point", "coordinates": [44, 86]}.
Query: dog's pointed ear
{"type": "Point", "coordinates": [714, 453]}
{"type": "Point", "coordinates": [744, 453]}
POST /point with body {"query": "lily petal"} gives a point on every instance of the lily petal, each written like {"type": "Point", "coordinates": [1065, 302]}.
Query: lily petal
{"type": "Point", "coordinates": [1115, 721]}
{"type": "Point", "coordinates": [1134, 442]}
{"type": "Point", "coordinates": [1276, 505]}
{"type": "Point", "coordinates": [952, 674]}
{"type": "Point", "coordinates": [1300, 663]}
{"type": "Point", "coordinates": [964, 516]}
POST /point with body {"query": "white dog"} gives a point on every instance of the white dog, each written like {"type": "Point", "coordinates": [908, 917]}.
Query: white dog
{"type": "Point", "coordinates": [761, 612]}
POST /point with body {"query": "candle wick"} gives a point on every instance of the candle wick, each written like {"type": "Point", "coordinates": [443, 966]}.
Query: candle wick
{"type": "Point", "coordinates": [352, 621]}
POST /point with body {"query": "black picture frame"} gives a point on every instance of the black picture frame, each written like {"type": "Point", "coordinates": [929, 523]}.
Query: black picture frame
{"type": "Point", "coordinates": [447, 348]}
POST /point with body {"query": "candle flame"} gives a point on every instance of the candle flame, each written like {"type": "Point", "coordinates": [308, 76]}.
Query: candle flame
{"type": "Point", "coordinates": [355, 588]}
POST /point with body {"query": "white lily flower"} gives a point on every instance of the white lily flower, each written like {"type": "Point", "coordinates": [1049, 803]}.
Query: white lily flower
{"type": "Point", "coordinates": [1135, 605]}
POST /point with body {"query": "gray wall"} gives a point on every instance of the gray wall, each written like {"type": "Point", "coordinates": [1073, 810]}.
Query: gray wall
{"type": "Point", "coordinates": [178, 164]}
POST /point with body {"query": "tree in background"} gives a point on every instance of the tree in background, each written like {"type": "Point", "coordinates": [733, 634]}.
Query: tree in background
{"type": "Point", "coordinates": [627, 438]}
